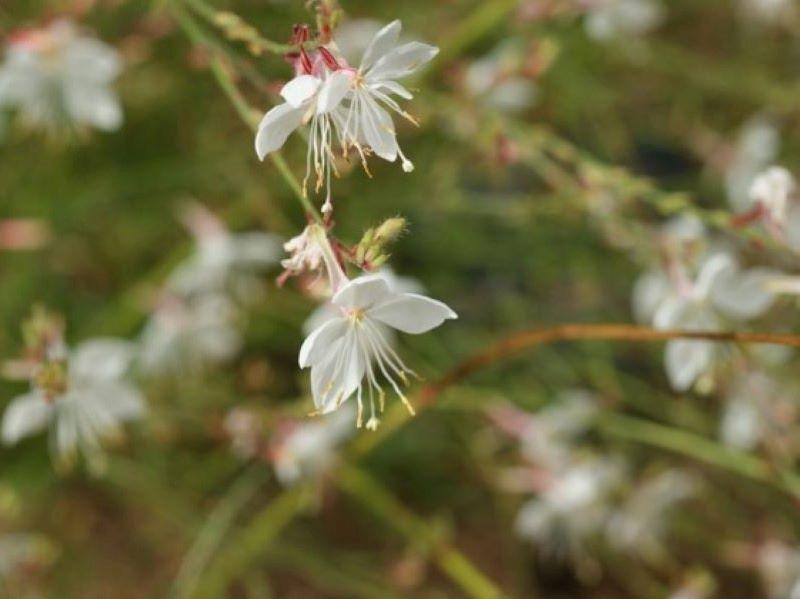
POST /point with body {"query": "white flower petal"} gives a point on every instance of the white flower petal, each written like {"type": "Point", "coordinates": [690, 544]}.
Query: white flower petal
{"type": "Point", "coordinates": [744, 295]}
{"type": "Point", "coordinates": [671, 313]}
{"type": "Point", "coordinates": [716, 268]}
{"type": "Point", "coordinates": [97, 106]}
{"type": "Point", "coordinates": [383, 42]}
{"type": "Point", "coordinates": [650, 290]}
{"type": "Point", "coordinates": [26, 415]}
{"type": "Point", "coordinates": [320, 342]}
{"type": "Point", "coordinates": [394, 88]}
{"type": "Point", "coordinates": [337, 377]}
{"type": "Point", "coordinates": [363, 292]}
{"type": "Point", "coordinates": [685, 360]}
{"type": "Point", "coordinates": [333, 91]}
{"type": "Point", "coordinates": [300, 89]}
{"type": "Point", "coordinates": [101, 360]}
{"type": "Point", "coordinates": [92, 60]}
{"type": "Point", "coordinates": [275, 127]}
{"type": "Point", "coordinates": [402, 61]}
{"type": "Point", "coordinates": [412, 313]}
{"type": "Point", "coordinates": [378, 129]}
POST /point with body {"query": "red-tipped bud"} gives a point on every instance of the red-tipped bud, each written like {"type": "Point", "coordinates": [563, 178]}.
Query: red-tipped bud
{"type": "Point", "coordinates": [305, 61]}
{"type": "Point", "coordinates": [300, 34]}
{"type": "Point", "coordinates": [329, 59]}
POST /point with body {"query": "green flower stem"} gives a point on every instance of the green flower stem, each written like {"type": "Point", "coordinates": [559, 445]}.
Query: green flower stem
{"type": "Point", "coordinates": [251, 542]}
{"type": "Point", "coordinates": [249, 115]}
{"type": "Point", "coordinates": [216, 526]}
{"type": "Point", "coordinates": [700, 449]}
{"type": "Point", "coordinates": [454, 564]}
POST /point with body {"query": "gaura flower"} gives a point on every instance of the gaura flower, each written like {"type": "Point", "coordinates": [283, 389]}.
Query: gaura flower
{"type": "Point", "coordinates": [372, 86]}
{"type": "Point", "coordinates": [222, 261]}
{"type": "Point", "coordinates": [307, 449]}
{"type": "Point", "coordinates": [82, 401]}
{"type": "Point", "coordinates": [56, 76]}
{"type": "Point", "coordinates": [352, 346]}
{"type": "Point", "coordinates": [611, 18]}
{"type": "Point", "coordinates": [675, 300]}
{"type": "Point", "coordinates": [344, 104]}
{"type": "Point", "coordinates": [773, 201]}
{"type": "Point", "coordinates": [755, 149]}
{"type": "Point", "coordinates": [346, 350]}
{"type": "Point", "coordinates": [312, 98]}
{"type": "Point", "coordinates": [189, 334]}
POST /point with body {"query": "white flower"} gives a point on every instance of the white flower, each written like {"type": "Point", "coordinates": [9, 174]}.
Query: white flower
{"type": "Point", "coordinates": [372, 88]}
{"type": "Point", "coordinates": [56, 76]}
{"type": "Point", "coordinates": [305, 253]}
{"type": "Point", "coordinates": [676, 301]}
{"type": "Point", "coordinates": [756, 148]}
{"type": "Point", "coordinates": [351, 347]}
{"type": "Point", "coordinates": [222, 260]}
{"type": "Point", "coordinates": [768, 11]}
{"type": "Point", "coordinates": [611, 18]}
{"type": "Point", "coordinates": [773, 190]}
{"type": "Point", "coordinates": [495, 80]}
{"type": "Point", "coordinates": [306, 450]}
{"type": "Point", "coordinates": [90, 404]}
{"type": "Point", "coordinates": [189, 333]}
{"type": "Point", "coordinates": [572, 508]}
{"type": "Point", "coordinates": [312, 98]}
{"type": "Point", "coordinates": [758, 410]}
{"type": "Point", "coordinates": [639, 524]}
{"type": "Point", "coordinates": [396, 283]}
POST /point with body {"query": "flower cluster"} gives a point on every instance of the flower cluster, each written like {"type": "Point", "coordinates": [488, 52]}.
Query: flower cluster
{"type": "Point", "coordinates": [345, 105]}
{"type": "Point", "coordinates": [583, 497]}
{"type": "Point", "coordinates": [56, 77]}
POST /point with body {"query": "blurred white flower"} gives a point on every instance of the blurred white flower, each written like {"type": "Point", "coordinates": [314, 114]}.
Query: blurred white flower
{"type": "Point", "coordinates": [639, 525]}
{"type": "Point", "coordinates": [572, 508]}
{"type": "Point", "coordinates": [56, 76]}
{"type": "Point", "coordinates": [768, 11]}
{"type": "Point", "coordinates": [22, 550]}
{"type": "Point", "coordinates": [758, 410]}
{"type": "Point", "coordinates": [222, 261]}
{"type": "Point", "coordinates": [189, 334]}
{"type": "Point", "coordinates": [607, 19]}
{"type": "Point", "coordinates": [82, 401]}
{"type": "Point", "coordinates": [756, 148]}
{"type": "Point", "coordinates": [307, 449]}
{"type": "Point", "coordinates": [496, 80]}
{"type": "Point", "coordinates": [773, 201]}
{"type": "Point", "coordinates": [372, 86]}
{"type": "Point", "coordinates": [344, 350]}
{"type": "Point", "coordinates": [245, 429]}
{"type": "Point", "coordinates": [676, 300]}
{"type": "Point", "coordinates": [547, 437]}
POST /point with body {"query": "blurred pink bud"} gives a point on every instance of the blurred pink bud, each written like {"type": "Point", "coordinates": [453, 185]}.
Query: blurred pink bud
{"type": "Point", "coordinates": [23, 234]}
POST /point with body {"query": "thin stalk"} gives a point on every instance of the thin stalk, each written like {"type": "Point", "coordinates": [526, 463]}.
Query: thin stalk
{"type": "Point", "coordinates": [520, 342]}
{"type": "Point", "coordinates": [251, 542]}
{"type": "Point", "coordinates": [700, 449]}
{"type": "Point", "coordinates": [247, 114]}
{"type": "Point", "coordinates": [211, 16]}
{"type": "Point", "coordinates": [383, 504]}
{"type": "Point", "coordinates": [216, 526]}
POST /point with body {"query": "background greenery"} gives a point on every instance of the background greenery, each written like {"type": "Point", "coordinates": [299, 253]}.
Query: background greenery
{"type": "Point", "coordinates": [509, 247]}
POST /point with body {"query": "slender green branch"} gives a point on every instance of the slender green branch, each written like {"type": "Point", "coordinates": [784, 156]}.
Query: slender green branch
{"type": "Point", "coordinates": [453, 563]}
{"type": "Point", "coordinates": [212, 16]}
{"type": "Point", "coordinates": [235, 557]}
{"type": "Point", "coordinates": [703, 450]}
{"type": "Point", "coordinates": [248, 115]}
{"type": "Point", "coordinates": [216, 526]}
